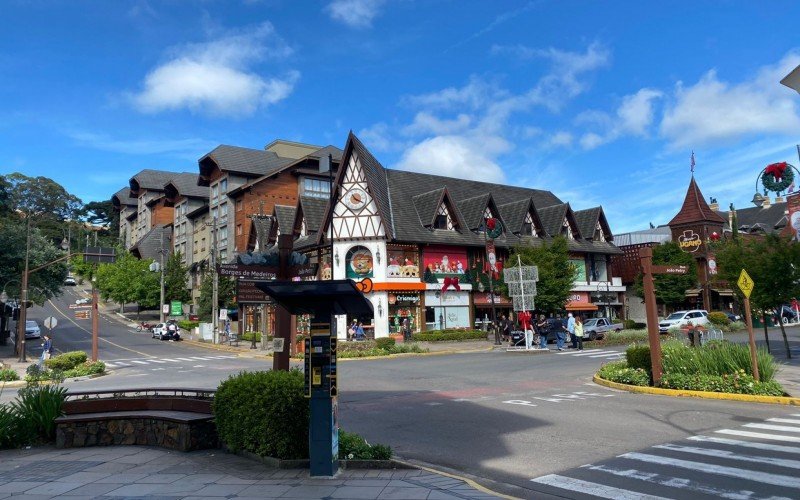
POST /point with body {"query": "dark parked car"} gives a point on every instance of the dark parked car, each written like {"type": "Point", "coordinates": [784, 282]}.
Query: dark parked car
{"type": "Point", "coordinates": [732, 317]}
{"type": "Point", "coordinates": [788, 315]}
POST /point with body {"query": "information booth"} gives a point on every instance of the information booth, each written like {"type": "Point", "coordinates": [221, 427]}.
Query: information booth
{"type": "Point", "coordinates": [323, 301]}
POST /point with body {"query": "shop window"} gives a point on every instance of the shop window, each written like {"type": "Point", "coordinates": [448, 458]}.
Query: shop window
{"type": "Point", "coordinates": [402, 263]}
{"type": "Point", "coordinates": [443, 219]}
{"type": "Point", "coordinates": [358, 263]}
{"type": "Point", "coordinates": [404, 307]}
{"type": "Point", "coordinates": [580, 269]}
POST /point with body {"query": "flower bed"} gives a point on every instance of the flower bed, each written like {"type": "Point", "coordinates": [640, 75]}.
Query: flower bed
{"type": "Point", "coordinates": [371, 348]}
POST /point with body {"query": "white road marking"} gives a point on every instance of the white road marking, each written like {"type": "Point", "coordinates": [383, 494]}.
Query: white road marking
{"type": "Point", "coordinates": [761, 477]}
{"type": "Point", "coordinates": [585, 351]}
{"type": "Point", "coordinates": [730, 455]}
{"type": "Point", "coordinates": [138, 362]}
{"type": "Point", "coordinates": [170, 360]}
{"type": "Point", "coordinates": [198, 366]}
{"type": "Point", "coordinates": [589, 488]}
{"type": "Point", "coordinates": [156, 360]}
{"type": "Point", "coordinates": [783, 428]}
{"type": "Point", "coordinates": [784, 420]}
{"type": "Point", "coordinates": [607, 355]}
{"type": "Point", "coordinates": [157, 369]}
{"type": "Point", "coordinates": [760, 435]}
{"type": "Point", "coordinates": [110, 365]}
{"type": "Point", "coordinates": [589, 353]}
{"type": "Point", "coordinates": [201, 359]}
{"type": "Point", "coordinates": [747, 444]}
{"type": "Point", "coordinates": [184, 359]}
{"type": "Point", "coordinates": [678, 482]}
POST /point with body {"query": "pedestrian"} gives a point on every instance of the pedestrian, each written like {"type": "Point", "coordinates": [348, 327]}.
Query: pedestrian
{"type": "Point", "coordinates": [47, 350]}
{"type": "Point", "coordinates": [571, 329]}
{"type": "Point", "coordinates": [351, 332]}
{"type": "Point", "coordinates": [505, 324]}
{"type": "Point", "coordinates": [541, 329]}
{"type": "Point", "coordinates": [359, 334]}
{"type": "Point", "coordinates": [567, 328]}
{"type": "Point", "coordinates": [578, 335]}
{"type": "Point", "coordinates": [406, 330]}
{"type": "Point", "coordinates": [691, 332]}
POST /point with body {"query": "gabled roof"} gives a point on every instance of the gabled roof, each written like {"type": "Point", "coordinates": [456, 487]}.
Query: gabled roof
{"type": "Point", "coordinates": [149, 245]}
{"type": "Point", "coordinates": [244, 161]}
{"type": "Point", "coordinates": [427, 205]}
{"type": "Point", "coordinates": [312, 210]}
{"type": "Point", "coordinates": [284, 215]}
{"type": "Point", "coordinates": [587, 223]}
{"type": "Point", "coordinates": [197, 212]}
{"type": "Point", "coordinates": [514, 213]}
{"type": "Point", "coordinates": [150, 180]}
{"type": "Point", "coordinates": [773, 217]}
{"type": "Point", "coordinates": [553, 218]}
{"type": "Point", "coordinates": [123, 198]}
{"type": "Point", "coordinates": [695, 209]}
{"type": "Point", "coordinates": [472, 209]}
{"type": "Point", "coordinates": [260, 233]}
{"type": "Point", "coordinates": [184, 184]}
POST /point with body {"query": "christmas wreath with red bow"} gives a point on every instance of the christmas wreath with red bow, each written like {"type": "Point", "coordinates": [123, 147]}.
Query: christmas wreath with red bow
{"type": "Point", "coordinates": [777, 177]}
{"type": "Point", "coordinates": [493, 228]}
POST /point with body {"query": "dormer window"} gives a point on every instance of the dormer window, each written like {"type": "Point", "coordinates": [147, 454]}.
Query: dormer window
{"type": "Point", "coordinates": [566, 230]}
{"type": "Point", "coordinates": [303, 227]}
{"type": "Point", "coordinates": [527, 226]}
{"type": "Point", "coordinates": [443, 219]}
{"type": "Point", "coordinates": [599, 235]}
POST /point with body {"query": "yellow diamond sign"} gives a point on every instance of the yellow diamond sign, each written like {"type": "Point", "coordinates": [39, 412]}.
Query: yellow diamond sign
{"type": "Point", "coordinates": [745, 283]}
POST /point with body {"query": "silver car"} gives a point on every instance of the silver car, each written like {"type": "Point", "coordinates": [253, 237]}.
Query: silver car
{"type": "Point", "coordinates": [32, 330]}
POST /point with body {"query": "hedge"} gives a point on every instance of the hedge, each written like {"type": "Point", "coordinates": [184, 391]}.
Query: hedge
{"type": "Point", "coordinates": [8, 375]}
{"type": "Point", "coordinates": [66, 361]}
{"type": "Point", "coordinates": [737, 383]}
{"type": "Point", "coordinates": [619, 372]}
{"type": "Point", "coordinates": [354, 447]}
{"type": "Point", "coordinates": [445, 335]}
{"type": "Point", "coordinates": [265, 413]}
{"type": "Point", "coordinates": [185, 324]}
{"type": "Point", "coordinates": [638, 356]}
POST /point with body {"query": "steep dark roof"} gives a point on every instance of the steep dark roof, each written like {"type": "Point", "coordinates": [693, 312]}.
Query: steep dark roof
{"type": "Point", "coordinates": [148, 245]}
{"type": "Point", "coordinates": [771, 219]}
{"type": "Point", "coordinates": [376, 179]}
{"type": "Point", "coordinates": [151, 180]}
{"type": "Point", "coordinates": [695, 208]}
{"type": "Point", "coordinates": [552, 218]}
{"type": "Point", "coordinates": [587, 221]}
{"type": "Point", "coordinates": [185, 184]}
{"type": "Point", "coordinates": [123, 197]}
{"type": "Point", "coordinates": [313, 210]}
{"type": "Point", "coordinates": [427, 205]}
{"type": "Point", "coordinates": [472, 210]}
{"type": "Point", "coordinates": [202, 209]}
{"type": "Point", "coordinates": [513, 215]}
{"type": "Point", "coordinates": [245, 161]}
{"type": "Point", "coordinates": [285, 217]}
{"type": "Point", "coordinates": [261, 232]}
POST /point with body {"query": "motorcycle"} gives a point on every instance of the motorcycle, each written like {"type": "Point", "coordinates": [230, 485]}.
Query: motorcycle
{"type": "Point", "coordinates": [144, 326]}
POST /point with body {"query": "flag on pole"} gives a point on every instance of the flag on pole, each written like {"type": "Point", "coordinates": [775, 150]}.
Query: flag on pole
{"type": "Point", "coordinates": [692, 162]}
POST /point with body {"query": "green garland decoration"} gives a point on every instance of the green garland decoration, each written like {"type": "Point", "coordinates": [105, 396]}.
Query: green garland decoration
{"type": "Point", "coordinates": [770, 184]}
{"type": "Point", "coordinates": [496, 232]}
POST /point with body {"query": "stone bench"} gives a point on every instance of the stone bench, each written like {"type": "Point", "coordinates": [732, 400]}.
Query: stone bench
{"type": "Point", "coordinates": [177, 419]}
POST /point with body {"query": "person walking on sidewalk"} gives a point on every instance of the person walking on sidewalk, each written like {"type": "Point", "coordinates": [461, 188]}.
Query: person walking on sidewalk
{"type": "Point", "coordinates": [47, 350]}
{"type": "Point", "coordinates": [541, 329]}
{"type": "Point", "coordinates": [578, 334]}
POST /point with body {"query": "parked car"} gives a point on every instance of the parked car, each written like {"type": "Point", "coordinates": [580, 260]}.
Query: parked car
{"type": "Point", "coordinates": [596, 328]}
{"type": "Point", "coordinates": [732, 317]}
{"type": "Point", "coordinates": [32, 330]}
{"type": "Point", "coordinates": [83, 301]}
{"type": "Point", "coordinates": [70, 281]}
{"type": "Point", "coordinates": [161, 331]}
{"type": "Point", "coordinates": [788, 315]}
{"type": "Point", "coordinates": [679, 319]}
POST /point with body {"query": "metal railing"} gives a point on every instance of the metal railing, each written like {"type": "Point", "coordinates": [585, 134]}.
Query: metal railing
{"type": "Point", "coordinates": [203, 394]}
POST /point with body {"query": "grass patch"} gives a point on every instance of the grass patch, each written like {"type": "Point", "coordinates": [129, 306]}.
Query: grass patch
{"type": "Point", "coordinates": [449, 335]}
{"type": "Point", "coordinates": [8, 375]}
{"type": "Point", "coordinates": [354, 447]}
{"type": "Point", "coordinates": [370, 349]}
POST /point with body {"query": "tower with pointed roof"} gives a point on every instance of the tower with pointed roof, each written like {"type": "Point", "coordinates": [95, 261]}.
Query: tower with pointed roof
{"type": "Point", "coordinates": [691, 228]}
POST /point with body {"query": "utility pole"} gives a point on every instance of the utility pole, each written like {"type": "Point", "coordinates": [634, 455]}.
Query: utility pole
{"type": "Point", "coordinates": [161, 301]}
{"type": "Point", "coordinates": [23, 311]}
{"type": "Point", "coordinates": [215, 277]}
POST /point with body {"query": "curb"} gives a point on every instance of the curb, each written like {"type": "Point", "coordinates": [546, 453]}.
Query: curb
{"type": "Point", "coordinates": [22, 383]}
{"type": "Point", "coordinates": [467, 480]}
{"type": "Point", "coordinates": [224, 348]}
{"type": "Point", "coordinates": [746, 398]}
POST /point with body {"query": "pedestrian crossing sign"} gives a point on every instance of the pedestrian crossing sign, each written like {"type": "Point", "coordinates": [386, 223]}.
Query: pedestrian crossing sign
{"type": "Point", "coordinates": [745, 283]}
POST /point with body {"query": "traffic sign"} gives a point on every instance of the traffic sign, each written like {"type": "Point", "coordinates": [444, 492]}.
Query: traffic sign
{"type": "Point", "coordinates": [80, 306]}
{"type": "Point", "coordinates": [745, 283]}
{"type": "Point", "coordinates": [83, 314]}
{"type": "Point", "coordinates": [50, 323]}
{"type": "Point", "coordinates": [669, 269]}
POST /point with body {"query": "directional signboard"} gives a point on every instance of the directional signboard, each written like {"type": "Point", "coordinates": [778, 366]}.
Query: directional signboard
{"type": "Point", "coordinates": [745, 283]}
{"type": "Point", "coordinates": [83, 314]}
{"type": "Point", "coordinates": [671, 269]}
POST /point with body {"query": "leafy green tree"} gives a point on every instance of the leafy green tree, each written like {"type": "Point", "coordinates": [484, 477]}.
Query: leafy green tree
{"type": "Point", "coordinates": [129, 280]}
{"type": "Point", "coordinates": [5, 196]}
{"type": "Point", "coordinates": [44, 283]}
{"type": "Point", "coordinates": [556, 272]}
{"type": "Point", "coordinates": [774, 264]}
{"type": "Point", "coordinates": [226, 290]}
{"type": "Point", "coordinates": [42, 196]}
{"type": "Point", "coordinates": [670, 288]}
{"type": "Point", "coordinates": [175, 276]}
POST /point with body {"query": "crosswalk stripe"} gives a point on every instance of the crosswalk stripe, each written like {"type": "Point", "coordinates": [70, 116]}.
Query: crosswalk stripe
{"type": "Point", "coordinates": [760, 435]}
{"type": "Point", "coordinates": [585, 350]}
{"type": "Point", "coordinates": [747, 444]}
{"type": "Point", "coordinates": [184, 359]}
{"type": "Point", "coordinates": [713, 452]}
{"type": "Point", "coordinates": [138, 362]}
{"type": "Point", "coordinates": [676, 482]}
{"type": "Point", "coordinates": [110, 365]}
{"type": "Point", "coordinates": [784, 420]}
{"type": "Point", "coordinates": [589, 353]}
{"type": "Point", "coordinates": [606, 355]}
{"type": "Point", "coordinates": [156, 360]}
{"type": "Point", "coordinates": [170, 360]}
{"type": "Point", "coordinates": [761, 477]}
{"type": "Point", "coordinates": [783, 428]}
{"type": "Point", "coordinates": [589, 488]}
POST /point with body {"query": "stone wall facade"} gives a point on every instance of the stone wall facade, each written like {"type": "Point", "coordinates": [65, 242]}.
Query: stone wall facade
{"type": "Point", "coordinates": [181, 436]}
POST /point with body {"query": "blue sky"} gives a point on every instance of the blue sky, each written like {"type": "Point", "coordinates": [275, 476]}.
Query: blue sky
{"type": "Point", "coordinates": [599, 102]}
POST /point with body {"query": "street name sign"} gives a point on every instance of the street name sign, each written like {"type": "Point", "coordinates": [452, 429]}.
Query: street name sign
{"type": "Point", "coordinates": [669, 269]}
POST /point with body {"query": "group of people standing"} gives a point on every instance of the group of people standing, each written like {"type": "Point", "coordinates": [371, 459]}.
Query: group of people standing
{"type": "Point", "coordinates": [572, 326]}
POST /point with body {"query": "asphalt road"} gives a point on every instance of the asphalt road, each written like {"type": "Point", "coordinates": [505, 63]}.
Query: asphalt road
{"type": "Point", "coordinates": [532, 426]}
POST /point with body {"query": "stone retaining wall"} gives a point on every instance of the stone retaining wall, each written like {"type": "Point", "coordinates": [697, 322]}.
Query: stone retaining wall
{"type": "Point", "coordinates": [181, 436]}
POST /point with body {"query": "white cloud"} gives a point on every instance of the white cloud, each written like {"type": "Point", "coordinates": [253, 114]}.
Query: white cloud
{"type": "Point", "coordinates": [379, 137]}
{"type": "Point", "coordinates": [474, 95]}
{"type": "Point", "coordinates": [215, 77]}
{"type": "Point", "coordinates": [426, 123]}
{"type": "Point", "coordinates": [192, 146]}
{"type": "Point", "coordinates": [633, 117]}
{"type": "Point", "coordinates": [354, 13]}
{"type": "Point", "coordinates": [713, 111]}
{"type": "Point", "coordinates": [453, 156]}
{"type": "Point", "coordinates": [563, 139]}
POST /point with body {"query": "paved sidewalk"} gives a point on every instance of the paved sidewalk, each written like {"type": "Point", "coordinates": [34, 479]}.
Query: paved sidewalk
{"type": "Point", "coordinates": [144, 472]}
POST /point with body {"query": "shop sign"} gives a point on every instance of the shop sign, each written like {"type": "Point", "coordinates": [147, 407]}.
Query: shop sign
{"type": "Point", "coordinates": [445, 261]}
{"type": "Point", "coordinates": [689, 241]}
{"type": "Point", "coordinates": [793, 204]}
{"type": "Point", "coordinates": [451, 298]}
{"type": "Point", "coordinates": [403, 298]}
{"type": "Point", "coordinates": [248, 293]}
{"type": "Point", "coordinates": [248, 272]}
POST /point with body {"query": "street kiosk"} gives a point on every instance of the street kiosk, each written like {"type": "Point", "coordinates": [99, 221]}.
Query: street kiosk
{"type": "Point", "coordinates": [323, 300]}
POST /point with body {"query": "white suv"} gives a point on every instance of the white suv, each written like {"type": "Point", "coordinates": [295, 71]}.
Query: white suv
{"type": "Point", "coordinates": [679, 319]}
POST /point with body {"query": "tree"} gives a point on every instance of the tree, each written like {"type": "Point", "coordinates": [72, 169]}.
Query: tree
{"type": "Point", "coordinates": [175, 275]}
{"type": "Point", "coordinates": [42, 284]}
{"type": "Point", "coordinates": [129, 280]}
{"type": "Point", "coordinates": [774, 264]}
{"type": "Point", "coordinates": [556, 272]}
{"type": "Point", "coordinates": [42, 196]}
{"type": "Point", "coordinates": [5, 196]}
{"type": "Point", "coordinates": [226, 291]}
{"type": "Point", "coordinates": [670, 288]}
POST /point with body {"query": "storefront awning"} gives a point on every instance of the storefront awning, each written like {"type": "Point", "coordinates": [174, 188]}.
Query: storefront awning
{"type": "Point", "coordinates": [693, 291]}
{"type": "Point", "coordinates": [580, 306]}
{"type": "Point", "coordinates": [724, 292]}
{"type": "Point", "coordinates": [398, 287]}
{"type": "Point", "coordinates": [485, 300]}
